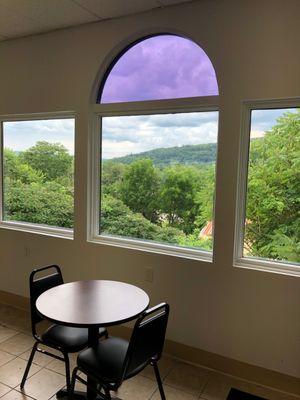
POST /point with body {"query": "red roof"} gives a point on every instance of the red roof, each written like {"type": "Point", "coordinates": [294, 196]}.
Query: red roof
{"type": "Point", "coordinates": [207, 230]}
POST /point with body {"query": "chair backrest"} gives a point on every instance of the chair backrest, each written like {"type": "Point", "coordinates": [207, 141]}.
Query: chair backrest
{"type": "Point", "coordinates": [39, 285]}
{"type": "Point", "coordinates": [147, 340]}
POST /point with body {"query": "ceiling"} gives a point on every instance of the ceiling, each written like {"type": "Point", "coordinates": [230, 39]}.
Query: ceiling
{"type": "Point", "coordinates": [28, 17]}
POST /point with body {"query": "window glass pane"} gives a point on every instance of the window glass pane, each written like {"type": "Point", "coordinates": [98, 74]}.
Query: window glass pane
{"type": "Point", "coordinates": [160, 67]}
{"type": "Point", "coordinates": [158, 177]}
{"type": "Point", "coordinates": [38, 169]}
{"type": "Point", "coordinates": [272, 225]}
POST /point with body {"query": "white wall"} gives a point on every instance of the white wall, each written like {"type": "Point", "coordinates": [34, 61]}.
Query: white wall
{"type": "Point", "coordinates": [254, 44]}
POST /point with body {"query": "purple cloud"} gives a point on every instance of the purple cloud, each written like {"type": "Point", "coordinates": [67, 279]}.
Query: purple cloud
{"type": "Point", "coordinates": [161, 67]}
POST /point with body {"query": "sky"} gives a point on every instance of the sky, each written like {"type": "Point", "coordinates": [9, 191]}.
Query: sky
{"type": "Point", "coordinates": [20, 135]}
{"type": "Point", "coordinates": [134, 134]}
{"type": "Point", "coordinates": [161, 67]}
{"type": "Point", "coordinates": [263, 120]}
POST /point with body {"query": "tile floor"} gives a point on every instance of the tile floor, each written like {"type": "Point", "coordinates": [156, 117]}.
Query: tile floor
{"type": "Point", "coordinates": [46, 377]}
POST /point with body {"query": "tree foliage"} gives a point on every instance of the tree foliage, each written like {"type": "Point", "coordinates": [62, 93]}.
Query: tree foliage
{"type": "Point", "coordinates": [118, 219]}
{"type": "Point", "coordinates": [32, 192]}
{"type": "Point", "coordinates": [167, 195]}
{"type": "Point", "coordinates": [273, 200]}
{"type": "Point", "coordinates": [185, 155]}
{"type": "Point", "coordinates": [46, 203]}
{"type": "Point", "coordinates": [177, 196]}
{"type": "Point", "coordinates": [15, 169]}
{"type": "Point", "coordinates": [140, 187]}
{"type": "Point", "coordinates": [51, 159]}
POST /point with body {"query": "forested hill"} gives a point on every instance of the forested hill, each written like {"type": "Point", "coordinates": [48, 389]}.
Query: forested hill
{"type": "Point", "coordinates": [191, 154]}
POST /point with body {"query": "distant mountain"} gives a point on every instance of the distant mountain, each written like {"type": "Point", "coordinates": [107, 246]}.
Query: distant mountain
{"type": "Point", "coordinates": [190, 154]}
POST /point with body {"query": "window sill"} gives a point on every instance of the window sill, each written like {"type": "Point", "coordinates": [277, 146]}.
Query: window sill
{"type": "Point", "coordinates": [62, 233]}
{"type": "Point", "coordinates": [157, 248]}
{"type": "Point", "coordinates": [257, 264]}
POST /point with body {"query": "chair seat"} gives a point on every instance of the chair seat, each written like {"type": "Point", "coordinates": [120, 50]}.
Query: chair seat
{"type": "Point", "coordinates": [105, 361]}
{"type": "Point", "coordinates": [69, 339]}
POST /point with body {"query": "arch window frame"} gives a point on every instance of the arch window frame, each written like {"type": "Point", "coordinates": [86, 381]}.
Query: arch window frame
{"type": "Point", "coordinates": [135, 108]}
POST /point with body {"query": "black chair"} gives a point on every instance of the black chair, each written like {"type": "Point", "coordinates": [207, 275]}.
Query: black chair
{"type": "Point", "coordinates": [114, 360]}
{"type": "Point", "coordinates": [62, 338]}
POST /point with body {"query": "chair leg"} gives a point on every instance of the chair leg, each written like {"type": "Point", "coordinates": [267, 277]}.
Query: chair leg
{"type": "Point", "coordinates": [107, 393]}
{"type": "Point", "coordinates": [159, 382]}
{"type": "Point", "coordinates": [72, 384]}
{"type": "Point", "coordinates": [68, 378]}
{"type": "Point", "coordinates": [28, 365]}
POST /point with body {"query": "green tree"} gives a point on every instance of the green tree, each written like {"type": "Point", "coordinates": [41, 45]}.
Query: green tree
{"type": "Point", "coordinates": [118, 219]}
{"type": "Point", "coordinates": [177, 196]}
{"type": "Point", "coordinates": [205, 195]}
{"type": "Point", "coordinates": [15, 169]}
{"type": "Point", "coordinates": [51, 159]}
{"type": "Point", "coordinates": [194, 241]}
{"type": "Point", "coordinates": [29, 196]}
{"type": "Point", "coordinates": [111, 178]}
{"type": "Point", "coordinates": [46, 203]}
{"type": "Point", "coordinates": [140, 188]}
{"type": "Point", "coordinates": [272, 213]}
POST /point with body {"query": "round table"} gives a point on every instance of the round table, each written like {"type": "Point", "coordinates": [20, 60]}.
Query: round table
{"type": "Point", "coordinates": [92, 304]}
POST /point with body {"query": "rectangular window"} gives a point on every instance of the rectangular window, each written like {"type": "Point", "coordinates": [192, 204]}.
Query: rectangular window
{"type": "Point", "coordinates": [38, 173]}
{"type": "Point", "coordinates": [158, 178]}
{"type": "Point", "coordinates": [271, 222]}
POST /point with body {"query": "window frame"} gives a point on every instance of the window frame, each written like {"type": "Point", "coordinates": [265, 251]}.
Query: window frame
{"type": "Point", "coordinates": [98, 111]}
{"type": "Point", "coordinates": [256, 263]}
{"type": "Point", "coordinates": [28, 227]}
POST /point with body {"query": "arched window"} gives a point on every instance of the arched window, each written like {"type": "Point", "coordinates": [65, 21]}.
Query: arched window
{"type": "Point", "coordinates": [160, 67]}
{"type": "Point", "coordinates": [155, 133]}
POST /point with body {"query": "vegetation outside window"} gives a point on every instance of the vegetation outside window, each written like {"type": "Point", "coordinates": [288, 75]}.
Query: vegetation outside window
{"type": "Point", "coordinates": [38, 173]}
{"type": "Point", "coordinates": [157, 177]}
{"type": "Point", "coordinates": [271, 224]}
{"type": "Point", "coordinates": [161, 192]}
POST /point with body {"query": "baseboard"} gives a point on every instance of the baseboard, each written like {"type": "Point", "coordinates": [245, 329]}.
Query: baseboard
{"type": "Point", "coordinates": [195, 356]}
{"type": "Point", "coordinates": [15, 300]}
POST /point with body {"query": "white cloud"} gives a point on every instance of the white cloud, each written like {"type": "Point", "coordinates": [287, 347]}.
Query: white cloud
{"type": "Point", "coordinates": [20, 135]}
{"type": "Point", "coordinates": [257, 134]}
{"type": "Point", "coordinates": [136, 134]}
{"type": "Point", "coordinates": [264, 120]}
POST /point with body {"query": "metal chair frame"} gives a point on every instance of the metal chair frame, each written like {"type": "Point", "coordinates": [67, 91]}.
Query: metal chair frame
{"type": "Point", "coordinates": [161, 310]}
{"type": "Point", "coordinates": [35, 318]}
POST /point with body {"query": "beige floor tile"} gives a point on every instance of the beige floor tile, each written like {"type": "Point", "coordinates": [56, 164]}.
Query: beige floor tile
{"type": "Point", "coordinates": [11, 373]}
{"type": "Point", "coordinates": [5, 357]}
{"type": "Point", "coordinates": [136, 388]}
{"type": "Point", "coordinates": [59, 366]}
{"type": "Point", "coordinates": [44, 384]}
{"type": "Point", "coordinates": [165, 365]}
{"type": "Point", "coordinates": [217, 388]}
{"type": "Point", "coordinates": [4, 389]}
{"type": "Point", "coordinates": [17, 344]}
{"type": "Point", "coordinates": [80, 386]}
{"type": "Point", "coordinates": [39, 358]}
{"type": "Point", "coordinates": [174, 394]}
{"type": "Point", "coordinates": [15, 395]}
{"type": "Point", "coordinates": [6, 333]}
{"type": "Point", "coordinates": [187, 378]}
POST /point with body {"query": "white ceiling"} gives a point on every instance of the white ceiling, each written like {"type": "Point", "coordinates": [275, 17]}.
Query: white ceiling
{"type": "Point", "coordinates": [28, 17]}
